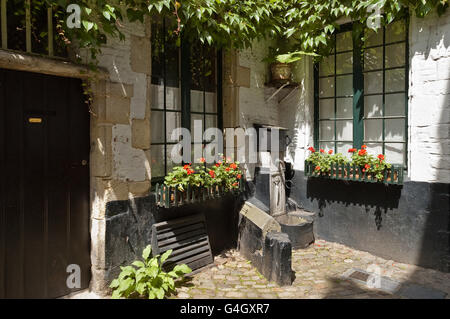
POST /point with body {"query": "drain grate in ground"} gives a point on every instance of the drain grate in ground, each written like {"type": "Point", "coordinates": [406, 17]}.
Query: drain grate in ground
{"type": "Point", "coordinates": [406, 290]}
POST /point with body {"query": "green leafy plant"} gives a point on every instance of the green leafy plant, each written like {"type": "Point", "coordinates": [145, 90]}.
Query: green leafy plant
{"type": "Point", "coordinates": [293, 56]}
{"type": "Point", "coordinates": [308, 25]}
{"type": "Point", "coordinates": [225, 173]}
{"type": "Point", "coordinates": [322, 160]}
{"type": "Point", "coordinates": [146, 278]}
{"type": "Point", "coordinates": [368, 163]}
{"type": "Point", "coordinates": [182, 176]}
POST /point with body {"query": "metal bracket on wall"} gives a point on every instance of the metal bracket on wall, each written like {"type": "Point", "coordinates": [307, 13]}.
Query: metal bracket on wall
{"type": "Point", "coordinates": [279, 90]}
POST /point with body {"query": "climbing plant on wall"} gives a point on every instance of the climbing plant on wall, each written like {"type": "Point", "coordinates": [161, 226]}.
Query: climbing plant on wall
{"type": "Point", "coordinates": [234, 23]}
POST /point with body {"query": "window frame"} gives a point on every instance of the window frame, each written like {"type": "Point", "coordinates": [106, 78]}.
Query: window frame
{"type": "Point", "coordinates": [358, 89]}
{"type": "Point", "coordinates": [184, 78]}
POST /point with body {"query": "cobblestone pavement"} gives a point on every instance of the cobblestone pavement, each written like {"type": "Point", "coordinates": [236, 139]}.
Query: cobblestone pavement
{"type": "Point", "coordinates": [318, 270]}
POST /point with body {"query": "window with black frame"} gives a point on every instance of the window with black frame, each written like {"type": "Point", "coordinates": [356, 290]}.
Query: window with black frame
{"type": "Point", "coordinates": [185, 87]}
{"type": "Point", "coordinates": [361, 92]}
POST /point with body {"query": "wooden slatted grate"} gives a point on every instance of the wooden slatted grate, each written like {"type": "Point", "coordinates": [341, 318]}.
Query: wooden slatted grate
{"type": "Point", "coordinates": [188, 239]}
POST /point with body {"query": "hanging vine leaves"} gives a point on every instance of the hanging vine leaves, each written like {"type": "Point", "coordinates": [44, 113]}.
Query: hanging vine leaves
{"type": "Point", "coordinates": [234, 23]}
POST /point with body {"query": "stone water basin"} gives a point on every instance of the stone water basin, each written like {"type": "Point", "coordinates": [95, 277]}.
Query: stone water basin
{"type": "Point", "coordinates": [299, 227]}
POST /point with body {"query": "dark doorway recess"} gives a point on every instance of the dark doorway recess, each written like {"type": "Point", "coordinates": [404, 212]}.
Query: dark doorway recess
{"type": "Point", "coordinates": [44, 187]}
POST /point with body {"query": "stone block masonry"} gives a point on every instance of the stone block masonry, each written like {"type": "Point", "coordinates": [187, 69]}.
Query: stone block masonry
{"type": "Point", "coordinates": [120, 143]}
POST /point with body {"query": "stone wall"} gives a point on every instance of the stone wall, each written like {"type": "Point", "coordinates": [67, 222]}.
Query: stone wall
{"type": "Point", "coordinates": [120, 135]}
{"type": "Point", "coordinates": [429, 99]}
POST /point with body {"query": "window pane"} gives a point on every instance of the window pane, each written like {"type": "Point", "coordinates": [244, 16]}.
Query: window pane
{"type": "Point", "coordinates": [344, 85]}
{"type": "Point", "coordinates": [210, 102]}
{"type": "Point", "coordinates": [344, 41]}
{"type": "Point", "coordinates": [373, 82]}
{"type": "Point", "coordinates": [157, 44]}
{"type": "Point", "coordinates": [326, 131]}
{"type": "Point", "coordinates": [326, 108]}
{"type": "Point", "coordinates": [196, 117]}
{"type": "Point", "coordinates": [343, 149]}
{"type": "Point", "coordinates": [344, 63]}
{"type": "Point", "coordinates": [197, 66]}
{"type": "Point", "coordinates": [395, 104]}
{"type": "Point", "coordinates": [394, 152]}
{"type": "Point", "coordinates": [326, 87]}
{"type": "Point", "coordinates": [373, 58]}
{"type": "Point", "coordinates": [344, 130]}
{"type": "Point", "coordinates": [396, 31]}
{"type": "Point", "coordinates": [326, 67]}
{"type": "Point", "coordinates": [170, 160]}
{"type": "Point", "coordinates": [395, 80]}
{"type": "Point", "coordinates": [210, 121]}
{"type": "Point", "coordinates": [395, 55]}
{"type": "Point", "coordinates": [209, 60]}
{"type": "Point", "coordinates": [344, 107]}
{"type": "Point", "coordinates": [157, 129]}
{"type": "Point", "coordinates": [373, 106]}
{"type": "Point", "coordinates": [326, 146]}
{"type": "Point", "coordinates": [173, 121]}
{"type": "Point", "coordinates": [196, 101]}
{"type": "Point", "coordinates": [374, 37]}
{"type": "Point", "coordinates": [157, 98]}
{"type": "Point", "coordinates": [373, 130]}
{"type": "Point", "coordinates": [173, 98]}
{"type": "Point", "coordinates": [374, 148]}
{"type": "Point", "coordinates": [157, 159]}
{"type": "Point", "coordinates": [395, 130]}
{"type": "Point", "coordinates": [171, 52]}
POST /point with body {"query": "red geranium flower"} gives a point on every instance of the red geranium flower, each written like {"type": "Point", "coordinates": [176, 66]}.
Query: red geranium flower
{"type": "Point", "coordinates": [202, 160]}
{"type": "Point", "coordinates": [239, 176]}
{"type": "Point", "coordinates": [317, 167]}
{"type": "Point", "coordinates": [233, 165]}
{"type": "Point", "coordinates": [381, 157]}
{"type": "Point", "coordinates": [212, 174]}
{"type": "Point", "coordinates": [352, 150]}
{"type": "Point", "coordinates": [235, 184]}
{"type": "Point", "coordinates": [186, 167]}
{"type": "Point", "coordinates": [330, 152]}
{"type": "Point", "coordinates": [227, 169]}
{"type": "Point", "coordinates": [364, 146]}
{"type": "Point", "coordinates": [362, 152]}
{"type": "Point", "coordinates": [190, 171]}
{"type": "Point", "coordinates": [367, 166]}
{"type": "Point", "coordinates": [217, 164]}
{"type": "Point", "coordinates": [311, 149]}
{"type": "Point", "coordinates": [322, 151]}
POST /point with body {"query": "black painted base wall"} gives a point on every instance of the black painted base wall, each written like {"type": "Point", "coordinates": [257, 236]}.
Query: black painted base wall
{"type": "Point", "coordinates": [409, 223]}
{"type": "Point", "coordinates": [129, 222]}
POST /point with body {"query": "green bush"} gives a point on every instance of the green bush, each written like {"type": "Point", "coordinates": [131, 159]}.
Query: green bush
{"type": "Point", "coordinates": [147, 278]}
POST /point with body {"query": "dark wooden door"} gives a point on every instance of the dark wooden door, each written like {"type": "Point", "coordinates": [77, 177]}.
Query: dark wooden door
{"type": "Point", "coordinates": [44, 184]}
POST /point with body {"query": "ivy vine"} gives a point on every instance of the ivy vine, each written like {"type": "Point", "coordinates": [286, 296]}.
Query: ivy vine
{"type": "Point", "coordinates": [234, 23]}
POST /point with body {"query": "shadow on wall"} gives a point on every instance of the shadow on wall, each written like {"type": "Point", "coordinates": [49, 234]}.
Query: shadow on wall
{"type": "Point", "coordinates": [378, 196]}
{"type": "Point", "coordinates": [437, 50]}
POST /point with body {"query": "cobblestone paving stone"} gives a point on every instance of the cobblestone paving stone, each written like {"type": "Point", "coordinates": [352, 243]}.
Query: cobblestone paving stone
{"type": "Point", "coordinates": [318, 270]}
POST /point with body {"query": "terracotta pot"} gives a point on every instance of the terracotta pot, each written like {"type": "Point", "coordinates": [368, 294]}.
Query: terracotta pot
{"type": "Point", "coordinates": [281, 72]}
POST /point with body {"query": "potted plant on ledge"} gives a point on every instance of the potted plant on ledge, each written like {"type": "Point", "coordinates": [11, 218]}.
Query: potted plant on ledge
{"type": "Point", "coordinates": [280, 58]}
